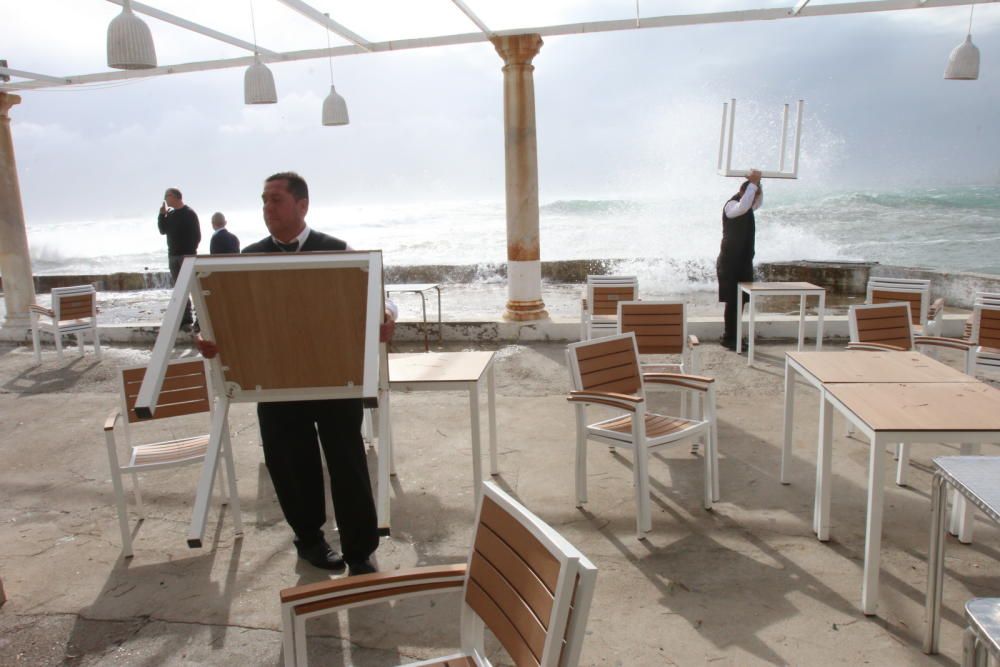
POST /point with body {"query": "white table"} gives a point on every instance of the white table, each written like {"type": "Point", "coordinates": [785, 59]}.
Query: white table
{"type": "Point", "coordinates": [977, 479]}
{"type": "Point", "coordinates": [442, 371]}
{"type": "Point", "coordinates": [421, 289]}
{"type": "Point", "coordinates": [932, 412]}
{"type": "Point", "coordinates": [757, 290]}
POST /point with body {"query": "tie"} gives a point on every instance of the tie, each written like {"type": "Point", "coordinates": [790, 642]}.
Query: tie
{"type": "Point", "coordinates": [288, 247]}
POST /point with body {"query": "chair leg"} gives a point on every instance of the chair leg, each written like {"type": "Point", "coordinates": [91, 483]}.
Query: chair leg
{"type": "Point", "coordinates": [140, 510]}
{"type": "Point", "coordinates": [903, 467]}
{"type": "Point", "coordinates": [97, 343]}
{"type": "Point", "coordinates": [640, 474]}
{"type": "Point", "coordinates": [581, 456]}
{"type": "Point", "coordinates": [58, 336]}
{"type": "Point", "coordinates": [79, 342]}
{"type": "Point", "coordinates": [35, 339]}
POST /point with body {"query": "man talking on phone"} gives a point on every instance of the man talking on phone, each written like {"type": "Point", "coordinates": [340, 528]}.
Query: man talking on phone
{"type": "Point", "coordinates": [179, 223]}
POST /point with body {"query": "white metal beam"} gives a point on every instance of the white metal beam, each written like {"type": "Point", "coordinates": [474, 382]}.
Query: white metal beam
{"type": "Point", "coordinates": [799, 5]}
{"type": "Point", "coordinates": [31, 75]}
{"type": "Point", "coordinates": [770, 14]}
{"type": "Point", "coordinates": [319, 17]}
{"type": "Point", "coordinates": [195, 27]}
{"type": "Point", "coordinates": [472, 17]}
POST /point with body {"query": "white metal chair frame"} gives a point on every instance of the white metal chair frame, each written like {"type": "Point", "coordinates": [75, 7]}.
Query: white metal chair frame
{"type": "Point", "coordinates": [558, 631]}
{"type": "Point", "coordinates": [165, 454]}
{"type": "Point", "coordinates": [629, 431]}
{"type": "Point", "coordinates": [73, 311]}
{"type": "Point", "coordinates": [593, 322]}
{"type": "Point", "coordinates": [930, 314]}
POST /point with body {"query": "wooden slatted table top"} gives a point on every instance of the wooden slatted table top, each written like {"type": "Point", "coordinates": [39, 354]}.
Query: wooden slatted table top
{"type": "Point", "coordinates": [780, 287]}
{"type": "Point", "coordinates": [438, 366]}
{"type": "Point", "coordinates": [863, 366]}
{"type": "Point", "coordinates": [928, 406]}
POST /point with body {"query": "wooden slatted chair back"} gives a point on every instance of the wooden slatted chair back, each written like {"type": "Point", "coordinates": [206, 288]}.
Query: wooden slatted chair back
{"type": "Point", "coordinates": [74, 303]}
{"type": "Point", "coordinates": [185, 390]}
{"type": "Point", "coordinates": [529, 586]}
{"type": "Point", "coordinates": [915, 299]}
{"type": "Point", "coordinates": [986, 330]}
{"type": "Point", "coordinates": [659, 327]}
{"type": "Point", "coordinates": [607, 364]}
{"type": "Point", "coordinates": [887, 324]}
{"type": "Point", "coordinates": [914, 291]}
{"type": "Point", "coordinates": [606, 298]}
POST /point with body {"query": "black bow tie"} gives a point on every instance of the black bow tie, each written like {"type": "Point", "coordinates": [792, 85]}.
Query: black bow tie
{"type": "Point", "coordinates": [288, 247]}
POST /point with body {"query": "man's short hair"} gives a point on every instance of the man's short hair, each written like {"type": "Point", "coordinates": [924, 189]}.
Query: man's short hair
{"type": "Point", "coordinates": [296, 184]}
{"type": "Point", "coordinates": [218, 219]}
{"type": "Point", "coordinates": [175, 192]}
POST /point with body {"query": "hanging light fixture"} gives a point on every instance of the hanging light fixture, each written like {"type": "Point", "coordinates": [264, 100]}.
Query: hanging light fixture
{"type": "Point", "coordinates": [130, 44]}
{"type": "Point", "coordinates": [334, 106]}
{"type": "Point", "coordinates": [258, 82]}
{"type": "Point", "coordinates": [963, 63]}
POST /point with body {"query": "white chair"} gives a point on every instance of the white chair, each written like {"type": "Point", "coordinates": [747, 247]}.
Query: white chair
{"type": "Point", "coordinates": [606, 372]}
{"type": "Point", "coordinates": [523, 581]}
{"type": "Point", "coordinates": [599, 307]}
{"type": "Point", "coordinates": [73, 311]}
{"type": "Point", "coordinates": [925, 315]}
{"type": "Point", "coordinates": [985, 339]}
{"type": "Point", "coordinates": [185, 392]}
{"type": "Point", "coordinates": [985, 298]}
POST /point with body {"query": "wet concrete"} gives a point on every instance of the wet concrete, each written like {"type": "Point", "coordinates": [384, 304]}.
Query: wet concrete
{"type": "Point", "coordinates": [744, 584]}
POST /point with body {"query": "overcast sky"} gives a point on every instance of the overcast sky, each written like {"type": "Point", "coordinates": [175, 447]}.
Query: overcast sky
{"type": "Point", "coordinates": [625, 114]}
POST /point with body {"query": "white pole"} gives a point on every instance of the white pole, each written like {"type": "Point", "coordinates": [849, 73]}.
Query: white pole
{"type": "Point", "coordinates": [784, 136]}
{"type": "Point", "coordinates": [798, 138]}
{"type": "Point", "coordinates": [722, 135]}
{"type": "Point", "coordinates": [732, 122]}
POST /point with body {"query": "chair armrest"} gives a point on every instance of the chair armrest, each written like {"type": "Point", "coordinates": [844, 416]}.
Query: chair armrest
{"type": "Point", "coordinates": [620, 401]}
{"type": "Point", "coordinates": [875, 347]}
{"type": "Point", "coordinates": [935, 309]}
{"type": "Point", "coordinates": [370, 588]}
{"type": "Point", "coordinates": [693, 340]}
{"type": "Point", "coordinates": [41, 310]}
{"type": "Point", "coordinates": [109, 423]}
{"type": "Point", "coordinates": [938, 341]}
{"type": "Point", "coordinates": [683, 380]}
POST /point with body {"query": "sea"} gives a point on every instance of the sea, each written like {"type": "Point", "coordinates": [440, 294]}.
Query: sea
{"type": "Point", "coordinates": [671, 244]}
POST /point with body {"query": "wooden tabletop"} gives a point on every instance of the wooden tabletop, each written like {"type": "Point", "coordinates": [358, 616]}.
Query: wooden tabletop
{"type": "Point", "coordinates": [863, 366]}
{"type": "Point", "coordinates": [778, 287]}
{"type": "Point", "coordinates": [438, 366]}
{"type": "Point", "coordinates": [928, 406]}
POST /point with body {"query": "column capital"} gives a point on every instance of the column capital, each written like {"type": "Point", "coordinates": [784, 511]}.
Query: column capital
{"type": "Point", "coordinates": [518, 49]}
{"type": "Point", "coordinates": [7, 100]}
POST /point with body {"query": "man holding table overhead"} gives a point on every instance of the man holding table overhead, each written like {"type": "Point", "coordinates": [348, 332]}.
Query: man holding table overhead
{"type": "Point", "coordinates": [735, 262]}
{"type": "Point", "coordinates": [292, 432]}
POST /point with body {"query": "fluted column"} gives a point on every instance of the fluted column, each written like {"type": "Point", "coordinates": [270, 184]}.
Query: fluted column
{"type": "Point", "coordinates": [15, 262]}
{"type": "Point", "coordinates": [524, 266]}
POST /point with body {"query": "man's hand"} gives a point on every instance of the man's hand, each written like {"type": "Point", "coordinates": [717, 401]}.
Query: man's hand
{"type": "Point", "coordinates": [163, 208]}
{"type": "Point", "coordinates": [754, 176]}
{"type": "Point", "coordinates": [387, 329]}
{"type": "Point", "coordinates": [207, 348]}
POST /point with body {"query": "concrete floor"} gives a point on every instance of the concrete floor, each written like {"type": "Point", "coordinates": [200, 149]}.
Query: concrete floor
{"type": "Point", "coordinates": [744, 584]}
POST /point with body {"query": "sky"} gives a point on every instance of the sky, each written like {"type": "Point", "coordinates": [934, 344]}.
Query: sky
{"type": "Point", "coordinates": [632, 114]}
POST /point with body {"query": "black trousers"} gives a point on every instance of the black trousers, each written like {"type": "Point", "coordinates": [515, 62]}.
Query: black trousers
{"type": "Point", "coordinates": [729, 318]}
{"type": "Point", "coordinates": [174, 262]}
{"type": "Point", "coordinates": [289, 432]}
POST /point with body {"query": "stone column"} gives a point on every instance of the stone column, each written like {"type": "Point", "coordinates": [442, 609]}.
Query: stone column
{"type": "Point", "coordinates": [15, 262]}
{"type": "Point", "coordinates": [524, 266]}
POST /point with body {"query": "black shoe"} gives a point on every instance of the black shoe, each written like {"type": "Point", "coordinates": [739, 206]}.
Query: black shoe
{"type": "Point", "coordinates": [356, 567]}
{"type": "Point", "coordinates": [321, 555]}
{"type": "Point", "coordinates": [728, 343]}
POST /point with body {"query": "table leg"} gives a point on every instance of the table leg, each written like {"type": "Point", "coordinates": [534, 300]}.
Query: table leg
{"type": "Point", "coordinates": [751, 329]}
{"type": "Point", "coordinates": [491, 402]}
{"type": "Point", "coordinates": [739, 320]}
{"type": "Point", "coordinates": [819, 321]}
{"type": "Point", "coordinates": [440, 326]}
{"type": "Point", "coordinates": [786, 447]}
{"type": "Point", "coordinates": [477, 464]}
{"type": "Point", "coordinates": [873, 529]}
{"type": "Point", "coordinates": [962, 512]}
{"type": "Point", "coordinates": [423, 308]}
{"type": "Point", "coordinates": [203, 495]}
{"type": "Point", "coordinates": [935, 565]}
{"type": "Point", "coordinates": [384, 462]}
{"type": "Point", "coordinates": [824, 462]}
{"type": "Point", "coordinates": [802, 321]}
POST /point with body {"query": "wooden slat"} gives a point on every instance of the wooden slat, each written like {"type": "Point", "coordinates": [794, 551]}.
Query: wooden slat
{"type": "Point", "coordinates": [626, 376]}
{"type": "Point", "coordinates": [173, 410]}
{"type": "Point", "coordinates": [400, 577]}
{"type": "Point", "coordinates": [178, 450]}
{"type": "Point", "coordinates": [989, 328]}
{"type": "Point", "coordinates": [172, 397]}
{"type": "Point", "coordinates": [656, 425]}
{"type": "Point", "coordinates": [541, 561]}
{"type": "Point", "coordinates": [602, 348]}
{"type": "Point", "coordinates": [320, 605]}
{"type": "Point", "coordinates": [514, 607]}
{"type": "Point", "coordinates": [623, 358]}
{"type": "Point", "coordinates": [500, 626]}
{"type": "Point", "coordinates": [888, 311]}
{"type": "Point", "coordinates": [520, 575]}
{"type": "Point", "coordinates": [653, 328]}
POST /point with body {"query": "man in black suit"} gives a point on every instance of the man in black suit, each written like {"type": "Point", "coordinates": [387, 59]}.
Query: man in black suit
{"type": "Point", "coordinates": [289, 429]}
{"type": "Point", "coordinates": [179, 223]}
{"type": "Point", "coordinates": [224, 242]}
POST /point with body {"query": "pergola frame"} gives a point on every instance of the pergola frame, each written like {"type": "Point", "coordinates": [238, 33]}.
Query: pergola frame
{"type": "Point", "coordinates": [800, 9]}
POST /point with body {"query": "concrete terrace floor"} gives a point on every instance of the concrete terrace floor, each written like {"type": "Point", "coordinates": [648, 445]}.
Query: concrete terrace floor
{"type": "Point", "coordinates": [744, 584]}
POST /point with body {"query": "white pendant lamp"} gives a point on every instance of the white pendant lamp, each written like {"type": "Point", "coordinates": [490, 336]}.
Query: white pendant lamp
{"type": "Point", "coordinates": [963, 63]}
{"type": "Point", "coordinates": [334, 106]}
{"type": "Point", "coordinates": [258, 82]}
{"type": "Point", "coordinates": [130, 44]}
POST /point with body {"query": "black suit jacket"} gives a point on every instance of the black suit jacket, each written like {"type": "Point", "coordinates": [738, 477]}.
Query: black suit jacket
{"type": "Point", "coordinates": [315, 241]}
{"type": "Point", "coordinates": [224, 242]}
